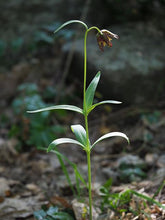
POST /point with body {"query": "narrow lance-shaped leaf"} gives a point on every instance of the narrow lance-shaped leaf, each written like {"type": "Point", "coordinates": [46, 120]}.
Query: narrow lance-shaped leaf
{"type": "Point", "coordinates": [59, 107]}
{"type": "Point", "coordinates": [90, 92]}
{"type": "Point", "coordinates": [77, 173]}
{"type": "Point", "coordinates": [64, 168]}
{"type": "Point", "coordinates": [151, 200]}
{"type": "Point", "coordinates": [70, 22]}
{"type": "Point", "coordinates": [80, 134]}
{"type": "Point", "coordinates": [111, 134]}
{"type": "Point", "coordinates": [62, 141]}
{"type": "Point", "coordinates": [103, 102]}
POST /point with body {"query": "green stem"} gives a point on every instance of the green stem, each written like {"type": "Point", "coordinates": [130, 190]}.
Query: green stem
{"type": "Point", "coordinates": [85, 76]}
{"type": "Point", "coordinates": [88, 150]}
{"type": "Point", "coordinates": [86, 128]}
{"type": "Point", "coordinates": [84, 92]}
{"type": "Point", "coordinates": [89, 184]}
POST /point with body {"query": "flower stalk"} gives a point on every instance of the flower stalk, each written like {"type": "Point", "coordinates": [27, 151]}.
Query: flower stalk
{"type": "Point", "coordinates": [88, 150]}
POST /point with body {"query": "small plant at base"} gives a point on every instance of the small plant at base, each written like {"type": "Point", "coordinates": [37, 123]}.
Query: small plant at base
{"type": "Point", "coordinates": [126, 201]}
{"type": "Point", "coordinates": [104, 38]}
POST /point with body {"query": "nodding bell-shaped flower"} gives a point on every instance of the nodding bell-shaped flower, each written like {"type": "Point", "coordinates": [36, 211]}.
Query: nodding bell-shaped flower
{"type": "Point", "coordinates": [104, 38]}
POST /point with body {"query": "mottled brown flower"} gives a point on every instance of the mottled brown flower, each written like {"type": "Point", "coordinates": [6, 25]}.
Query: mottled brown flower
{"type": "Point", "coordinates": [104, 38]}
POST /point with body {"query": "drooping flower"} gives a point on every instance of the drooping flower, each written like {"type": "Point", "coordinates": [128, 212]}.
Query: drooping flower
{"type": "Point", "coordinates": [104, 38]}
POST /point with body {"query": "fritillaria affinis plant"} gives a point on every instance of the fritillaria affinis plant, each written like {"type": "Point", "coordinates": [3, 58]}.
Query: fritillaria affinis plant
{"type": "Point", "coordinates": [104, 38]}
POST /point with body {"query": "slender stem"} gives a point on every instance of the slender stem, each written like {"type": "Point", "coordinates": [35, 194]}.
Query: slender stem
{"type": "Point", "coordinates": [84, 92]}
{"type": "Point", "coordinates": [88, 150]}
{"type": "Point", "coordinates": [85, 69]}
{"type": "Point", "coordinates": [89, 184]}
{"type": "Point", "coordinates": [94, 27]}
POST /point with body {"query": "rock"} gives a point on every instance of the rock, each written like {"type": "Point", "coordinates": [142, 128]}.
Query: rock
{"type": "Point", "coordinates": [161, 161]}
{"type": "Point", "coordinates": [130, 160]}
{"type": "Point", "coordinates": [159, 176]}
{"type": "Point", "coordinates": [13, 208]}
{"type": "Point", "coordinates": [132, 69]}
{"type": "Point", "coordinates": [131, 168]}
{"type": "Point", "coordinates": [151, 158]}
{"type": "Point", "coordinates": [81, 210]}
{"type": "Point", "coordinates": [4, 187]}
{"type": "Point", "coordinates": [33, 188]}
{"type": "Point", "coordinates": [7, 150]}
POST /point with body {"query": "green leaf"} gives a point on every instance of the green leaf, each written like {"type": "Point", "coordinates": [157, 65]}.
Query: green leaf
{"type": "Point", "coordinates": [52, 210]}
{"type": "Point", "coordinates": [108, 184]}
{"type": "Point", "coordinates": [78, 175]}
{"type": "Point", "coordinates": [151, 200]}
{"type": "Point", "coordinates": [63, 141]}
{"type": "Point", "coordinates": [90, 92]}
{"type": "Point", "coordinates": [103, 102]}
{"type": "Point", "coordinates": [59, 155]}
{"type": "Point", "coordinates": [111, 134]}
{"type": "Point", "coordinates": [58, 107]}
{"type": "Point", "coordinates": [40, 214]}
{"type": "Point", "coordinates": [70, 22]}
{"type": "Point", "coordinates": [63, 216]}
{"type": "Point", "coordinates": [80, 134]}
{"type": "Point", "coordinates": [64, 167]}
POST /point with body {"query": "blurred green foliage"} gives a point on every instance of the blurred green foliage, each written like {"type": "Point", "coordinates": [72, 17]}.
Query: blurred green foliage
{"type": "Point", "coordinates": [23, 47]}
{"type": "Point", "coordinates": [53, 213]}
{"type": "Point", "coordinates": [32, 130]}
{"type": "Point", "coordinates": [125, 201]}
{"type": "Point", "coordinates": [150, 120]}
{"type": "Point", "coordinates": [117, 202]}
{"type": "Point", "coordinates": [130, 172]}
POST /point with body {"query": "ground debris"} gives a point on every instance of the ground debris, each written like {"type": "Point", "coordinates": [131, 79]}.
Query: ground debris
{"type": "Point", "coordinates": [17, 207]}
{"type": "Point", "coordinates": [81, 210]}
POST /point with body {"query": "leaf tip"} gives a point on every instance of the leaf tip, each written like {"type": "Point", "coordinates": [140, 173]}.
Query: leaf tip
{"type": "Point", "coordinates": [28, 111]}
{"type": "Point", "coordinates": [72, 128]}
{"type": "Point", "coordinates": [98, 73]}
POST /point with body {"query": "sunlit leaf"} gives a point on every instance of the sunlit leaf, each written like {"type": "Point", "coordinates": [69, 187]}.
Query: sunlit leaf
{"type": "Point", "coordinates": [63, 141]}
{"type": "Point", "coordinates": [80, 134]}
{"type": "Point", "coordinates": [111, 134]}
{"type": "Point", "coordinates": [103, 102]}
{"type": "Point", "coordinates": [70, 22]}
{"type": "Point", "coordinates": [59, 107]}
{"type": "Point", "coordinates": [90, 92]}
